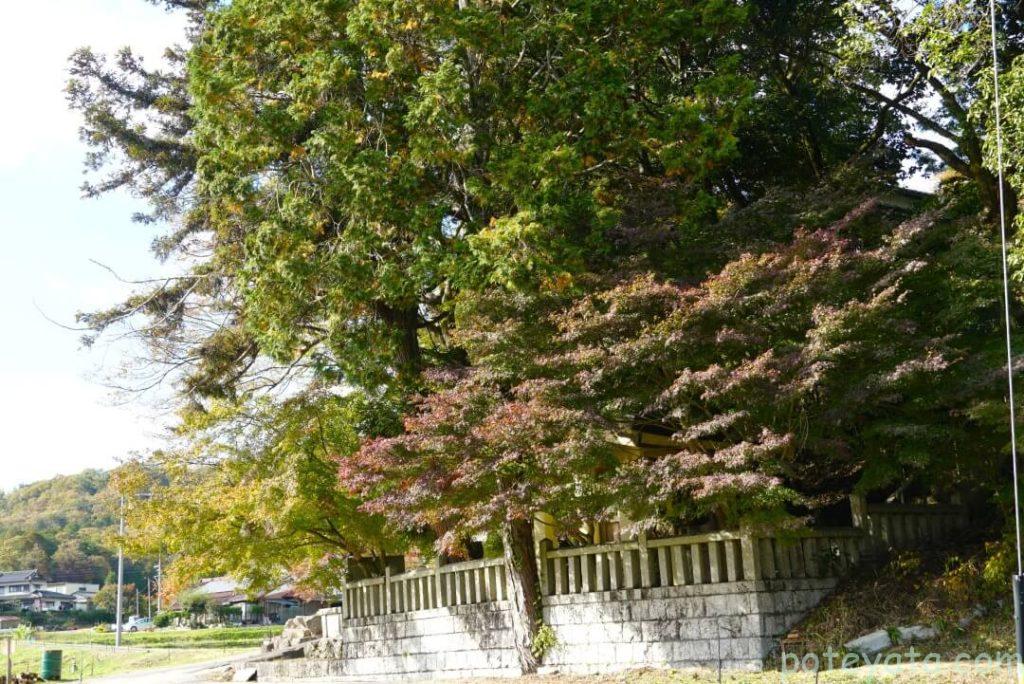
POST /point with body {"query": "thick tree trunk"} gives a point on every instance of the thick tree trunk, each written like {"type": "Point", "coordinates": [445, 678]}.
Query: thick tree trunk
{"type": "Point", "coordinates": [988, 189]}
{"type": "Point", "coordinates": [406, 323]}
{"type": "Point", "coordinates": [523, 589]}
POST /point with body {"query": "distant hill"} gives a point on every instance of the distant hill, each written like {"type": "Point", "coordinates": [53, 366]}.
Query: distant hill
{"type": "Point", "coordinates": [62, 528]}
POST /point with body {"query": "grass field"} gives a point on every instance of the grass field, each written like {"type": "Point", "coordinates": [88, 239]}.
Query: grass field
{"type": "Point", "coordinates": [215, 637]}
{"type": "Point", "coordinates": [89, 662]}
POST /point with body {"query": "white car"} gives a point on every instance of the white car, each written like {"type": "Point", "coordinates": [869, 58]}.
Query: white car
{"type": "Point", "coordinates": [135, 624]}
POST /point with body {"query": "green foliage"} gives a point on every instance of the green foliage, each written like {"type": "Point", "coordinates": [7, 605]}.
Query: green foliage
{"type": "Point", "coordinates": [213, 638]}
{"type": "Point", "coordinates": [73, 619]}
{"type": "Point", "coordinates": [544, 640]}
{"type": "Point", "coordinates": [999, 563]}
{"type": "Point", "coordinates": [106, 598]}
{"type": "Point", "coordinates": [254, 494]}
{"type": "Point", "coordinates": [23, 633]}
{"type": "Point", "coordinates": [493, 546]}
{"type": "Point", "coordinates": [805, 122]}
{"type": "Point", "coordinates": [167, 617]}
{"type": "Point", "coordinates": [929, 65]}
{"type": "Point", "coordinates": [194, 602]}
{"type": "Point", "coordinates": [429, 147]}
{"type": "Point", "coordinates": [228, 613]}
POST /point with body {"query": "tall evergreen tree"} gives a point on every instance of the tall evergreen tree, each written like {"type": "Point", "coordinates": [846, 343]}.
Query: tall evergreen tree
{"type": "Point", "coordinates": [351, 169]}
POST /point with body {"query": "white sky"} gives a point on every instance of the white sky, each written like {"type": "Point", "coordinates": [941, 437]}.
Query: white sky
{"type": "Point", "coordinates": [55, 416]}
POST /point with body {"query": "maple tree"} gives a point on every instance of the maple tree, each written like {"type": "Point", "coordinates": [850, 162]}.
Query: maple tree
{"type": "Point", "coordinates": [859, 354]}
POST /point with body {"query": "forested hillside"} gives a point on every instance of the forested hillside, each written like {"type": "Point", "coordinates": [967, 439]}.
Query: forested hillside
{"type": "Point", "coordinates": [60, 527]}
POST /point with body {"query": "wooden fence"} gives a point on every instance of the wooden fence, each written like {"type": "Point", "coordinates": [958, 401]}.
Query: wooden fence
{"type": "Point", "coordinates": [700, 559]}
{"type": "Point", "coordinates": [440, 586]}
{"type": "Point", "coordinates": [677, 561]}
{"type": "Point", "coordinates": [815, 553]}
{"type": "Point", "coordinates": [906, 526]}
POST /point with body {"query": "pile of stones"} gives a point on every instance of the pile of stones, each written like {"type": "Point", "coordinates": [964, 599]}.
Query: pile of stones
{"type": "Point", "coordinates": [297, 631]}
{"type": "Point", "coordinates": [23, 678]}
{"type": "Point", "coordinates": [323, 649]}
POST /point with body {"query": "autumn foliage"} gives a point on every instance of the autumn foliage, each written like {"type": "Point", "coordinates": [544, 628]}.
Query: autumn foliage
{"type": "Point", "coordinates": [857, 355]}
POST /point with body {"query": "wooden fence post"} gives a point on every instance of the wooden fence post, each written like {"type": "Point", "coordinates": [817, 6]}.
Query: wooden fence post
{"type": "Point", "coordinates": [645, 561]}
{"type": "Point", "coordinates": [858, 510]}
{"type": "Point", "coordinates": [628, 570]}
{"type": "Point", "coordinates": [542, 566]}
{"type": "Point", "coordinates": [437, 583]}
{"type": "Point", "coordinates": [751, 556]}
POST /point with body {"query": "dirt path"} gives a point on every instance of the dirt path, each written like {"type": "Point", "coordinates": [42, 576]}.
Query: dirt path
{"type": "Point", "coordinates": [192, 673]}
{"type": "Point", "coordinates": [946, 674]}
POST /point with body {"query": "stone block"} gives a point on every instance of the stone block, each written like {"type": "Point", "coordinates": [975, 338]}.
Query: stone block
{"type": "Point", "coordinates": [632, 631]}
{"type": "Point", "coordinates": [697, 651]}
{"type": "Point", "coordinates": [870, 643]}
{"type": "Point", "coordinates": [916, 633]}
{"type": "Point", "coordinates": [659, 630]}
{"type": "Point", "coordinates": [727, 604]}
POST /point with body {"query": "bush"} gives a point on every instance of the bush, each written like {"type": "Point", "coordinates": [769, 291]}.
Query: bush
{"type": "Point", "coordinates": [194, 602]}
{"type": "Point", "coordinates": [167, 618]}
{"type": "Point", "coordinates": [72, 619]}
{"type": "Point", "coordinates": [228, 613]}
{"type": "Point", "coordinates": [23, 633]}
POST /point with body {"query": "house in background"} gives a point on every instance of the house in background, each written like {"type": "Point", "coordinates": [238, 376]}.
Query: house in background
{"type": "Point", "coordinates": [83, 592]}
{"type": "Point", "coordinates": [273, 607]}
{"type": "Point", "coordinates": [26, 590]}
{"type": "Point", "coordinates": [39, 601]}
{"type": "Point", "coordinates": [285, 602]}
{"type": "Point", "coordinates": [20, 582]}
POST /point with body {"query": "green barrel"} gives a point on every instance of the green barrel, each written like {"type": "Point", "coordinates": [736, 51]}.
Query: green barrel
{"type": "Point", "coordinates": [51, 666]}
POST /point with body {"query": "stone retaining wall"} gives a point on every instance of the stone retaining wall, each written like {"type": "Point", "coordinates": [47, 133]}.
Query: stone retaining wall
{"type": "Point", "coordinates": [737, 623]}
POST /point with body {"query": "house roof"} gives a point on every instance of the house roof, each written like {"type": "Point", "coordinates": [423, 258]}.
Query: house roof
{"type": "Point", "coordinates": [39, 593]}
{"type": "Point", "coordinates": [218, 585]}
{"type": "Point", "coordinates": [224, 590]}
{"type": "Point", "coordinates": [285, 591]}
{"type": "Point", "coordinates": [56, 595]}
{"type": "Point", "coordinates": [18, 576]}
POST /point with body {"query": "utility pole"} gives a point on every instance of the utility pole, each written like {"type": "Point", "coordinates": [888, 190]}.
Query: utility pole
{"type": "Point", "coordinates": [159, 582]}
{"type": "Point", "coordinates": [120, 577]}
{"type": "Point", "coordinates": [149, 597]}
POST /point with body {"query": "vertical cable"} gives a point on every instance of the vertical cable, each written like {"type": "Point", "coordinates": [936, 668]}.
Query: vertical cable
{"type": "Point", "coordinates": [1006, 284]}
